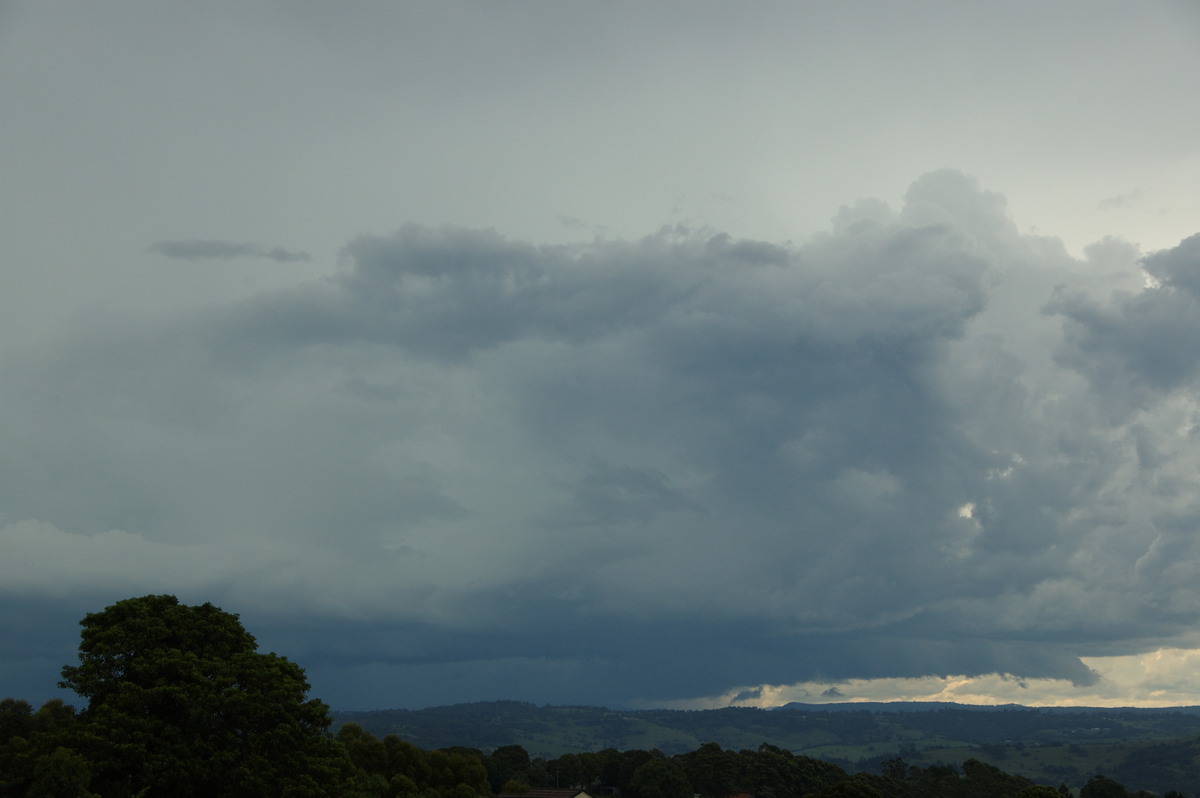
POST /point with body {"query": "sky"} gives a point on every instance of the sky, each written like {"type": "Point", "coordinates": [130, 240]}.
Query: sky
{"type": "Point", "coordinates": [624, 354]}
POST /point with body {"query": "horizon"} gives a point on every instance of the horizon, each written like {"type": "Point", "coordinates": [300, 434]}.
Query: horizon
{"type": "Point", "coordinates": [836, 703]}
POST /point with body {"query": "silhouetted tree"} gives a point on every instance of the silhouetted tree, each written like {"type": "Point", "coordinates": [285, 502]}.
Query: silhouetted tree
{"type": "Point", "coordinates": [180, 703]}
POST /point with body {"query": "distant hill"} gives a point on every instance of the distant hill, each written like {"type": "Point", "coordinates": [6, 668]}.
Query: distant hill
{"type": "Point", "coordinates": [1147, 747]}
{"type": "Point", "coordinates": [549, 731]}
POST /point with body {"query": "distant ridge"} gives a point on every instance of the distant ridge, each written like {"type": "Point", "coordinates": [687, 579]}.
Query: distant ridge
{"type": "Point", "coordinates": [839, 732]}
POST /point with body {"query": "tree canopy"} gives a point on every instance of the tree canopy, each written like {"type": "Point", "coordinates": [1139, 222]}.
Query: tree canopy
{"type": "Point", "coordinates": [181, 703]}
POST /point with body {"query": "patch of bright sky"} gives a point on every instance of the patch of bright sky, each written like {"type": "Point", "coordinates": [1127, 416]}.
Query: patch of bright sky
{"type": "Point", "coordinates": [1168, 677]}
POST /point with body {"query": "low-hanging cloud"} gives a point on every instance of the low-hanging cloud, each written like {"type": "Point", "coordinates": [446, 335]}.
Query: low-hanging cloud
{"type": "Point", "coordinates": [202, 249]}
{"type": "Point", "coordinates": [469, 467]}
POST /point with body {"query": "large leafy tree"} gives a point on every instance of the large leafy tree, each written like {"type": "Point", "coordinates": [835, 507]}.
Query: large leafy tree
{"type": "Point", "coordinates": [181, 703]}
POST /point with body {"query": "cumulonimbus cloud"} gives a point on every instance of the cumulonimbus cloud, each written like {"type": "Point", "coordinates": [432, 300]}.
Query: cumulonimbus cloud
{"type": "Point", "coordinates": [919, 443]}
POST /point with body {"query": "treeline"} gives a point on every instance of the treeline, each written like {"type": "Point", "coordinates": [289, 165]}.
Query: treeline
{"type": "Point", "coordinates": [397, 768]}
{"type": "Point", "coordinates": [394, 768]}
{"type": "Point", "coordinates": [52, 753]}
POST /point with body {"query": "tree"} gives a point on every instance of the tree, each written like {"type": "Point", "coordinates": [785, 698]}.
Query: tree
{"type": "Point", "coordinates": [982, 779]}
{"type": "Point", "coordinates": [851, 788]}
{"type": "Point", "coordinates": [366, 752]}
{"type": "Point", "coordinates": [405, 759]}
{"type": "Point", "coordinates": [1101, 787]}
{"type": "Point", "coordinates": [61, 774]}
{"type": "Point", "coordinates": [1038, 791]}
{"type": "Point", "coordinates": [35, 754]}
{"type": "Point", "coordinates": [507, 763]}
{"type": "Point", "coordinates": [660, 778]}
{"type": "Point", "coordinates": [455, 768]}
{"type": "Point", "coordinates": [181, 703]}
{"type": "Point", "coordinates": [16, 719]}
{"type": "Point", "coordinates": [711, 770]}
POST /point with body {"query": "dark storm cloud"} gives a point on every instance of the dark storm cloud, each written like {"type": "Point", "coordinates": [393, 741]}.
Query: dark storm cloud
{"type": "Point", "coordinates": [223, 250]}
{"type": "Point", "coordinates": [577, 659]}
{"type": "Point", "coordinates": [1179, 267]}
{"type": "Point", "coordinates": [608, 494]}
{"type": "Point", "coordinates": [1137, 345]}
{"type": "Point", "coordinates": [467, 467]}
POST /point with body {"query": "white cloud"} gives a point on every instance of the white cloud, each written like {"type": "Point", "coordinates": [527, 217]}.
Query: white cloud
{"type": "Point", "coordinates": [1164, 677]}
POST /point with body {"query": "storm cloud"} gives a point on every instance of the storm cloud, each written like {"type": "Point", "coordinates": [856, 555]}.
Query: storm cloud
{"type": "Point", "coordinates": [463, 466]}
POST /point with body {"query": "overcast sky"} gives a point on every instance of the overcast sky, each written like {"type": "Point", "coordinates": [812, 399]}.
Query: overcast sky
{"type": "Point", "coordinates": [632, 354]}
